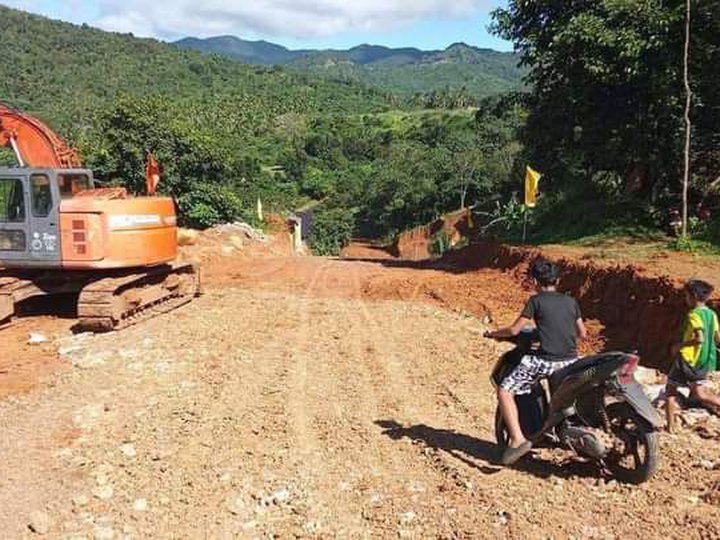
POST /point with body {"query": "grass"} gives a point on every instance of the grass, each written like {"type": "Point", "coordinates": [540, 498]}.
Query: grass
{"type": "Point", "coordinates": [637, 242]}
{"type": "Point", "coordinates": [625, 234]}
{"type": "Point", "coordinates": [695, 246]}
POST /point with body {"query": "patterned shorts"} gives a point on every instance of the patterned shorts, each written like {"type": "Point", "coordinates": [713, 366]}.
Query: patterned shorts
{"type": "Point", "coordinates": [530, 370]}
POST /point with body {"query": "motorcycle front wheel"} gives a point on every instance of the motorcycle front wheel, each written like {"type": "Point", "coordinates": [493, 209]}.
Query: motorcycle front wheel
{"type": "Point", "coordinates": [531, 409]}
{"type": "Point", "coordinates": [637, 456]}
{"type": "Point", "coordinates": [501, 433]}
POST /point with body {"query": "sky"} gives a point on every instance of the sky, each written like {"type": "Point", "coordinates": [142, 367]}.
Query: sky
{"type": "Point", "coordinates": [317, 24]}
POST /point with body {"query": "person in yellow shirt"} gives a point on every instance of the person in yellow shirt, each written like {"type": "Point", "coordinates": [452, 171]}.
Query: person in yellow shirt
{"type": "Point", "coordinates": [695, 355]}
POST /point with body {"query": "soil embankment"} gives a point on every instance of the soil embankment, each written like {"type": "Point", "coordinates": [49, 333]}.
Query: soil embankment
{"type": "Point", "coordinates": [636, 307]}
{"type": "Point", "coordinates": [415, 244]}
{"type": "Point", "coordinates": [632, 296]}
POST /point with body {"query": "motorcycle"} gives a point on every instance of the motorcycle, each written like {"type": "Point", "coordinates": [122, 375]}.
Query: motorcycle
{"type": "Point", "coordinates": [594, 407]}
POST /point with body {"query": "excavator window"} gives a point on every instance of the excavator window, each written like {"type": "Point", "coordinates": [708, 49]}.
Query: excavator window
{"type": "Point", "coordinates": [12, 200]}
{"type": "Point", "coordinates": [72, 184]}
{"type": "Point", "coordinates": [41, 194]}
{"type": "Point", "coordinates": [12, 210]}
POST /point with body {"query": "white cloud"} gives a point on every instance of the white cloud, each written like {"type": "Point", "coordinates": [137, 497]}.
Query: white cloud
{"type": "Point", "coordinates": [286, 18]}
{"type": "Point", "coordinates": [26, 5]}
{"type": "Point", "coordinates": [130, 21]}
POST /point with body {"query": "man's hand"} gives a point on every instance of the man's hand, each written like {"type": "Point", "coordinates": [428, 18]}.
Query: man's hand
{"type": "Point", "coordinates": [510, 331]}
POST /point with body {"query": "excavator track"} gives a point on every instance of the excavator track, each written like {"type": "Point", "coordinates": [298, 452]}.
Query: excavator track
{"type": "Point", "coordinates": [117, 302]}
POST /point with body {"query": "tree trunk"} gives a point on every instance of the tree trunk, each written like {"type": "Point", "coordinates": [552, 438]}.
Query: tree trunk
{"type": "Point", "coordinates": [688, 125]}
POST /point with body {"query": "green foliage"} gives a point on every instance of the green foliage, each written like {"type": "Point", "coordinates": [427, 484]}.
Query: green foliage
{"type": "Point", "coordinates": [63, 72]}
{"type": "Point", "coordinates": [433, 84]}
{"type": "Point", "coordinates": [332, 231]}
{"type": "Point", "coordinates": [205, 206]}
{"type": "Point", "coordinates": [414, 166]}
{"type": "Point", "coordinates": [606, 98]}
{"type": "Point", "coordinates": [505, 220]}
{"type": "Point", "coordinates": [695, 246]}
{"type": "Point", "coordinates": [439, 243]}
{"type": "Point", "coordinates": [213, 124]}
{"type": "Point", "coordinates": [7, 157]}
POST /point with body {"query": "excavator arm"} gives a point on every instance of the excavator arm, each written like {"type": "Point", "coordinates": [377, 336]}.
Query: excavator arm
{"type": "Point", "coordinates": [34, 143]}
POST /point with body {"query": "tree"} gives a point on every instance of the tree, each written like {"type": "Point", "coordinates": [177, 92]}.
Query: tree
{"type": "Point", "coordinates": [467, 165]}
{"type": "Point", "coordinates": [607, 113]}
{"type": "Point", "coordinates": [605, 80]}
{"type": "Point", "coordinates": [705, 46]}
{"type": "Point", "coordinates": [688, 124]}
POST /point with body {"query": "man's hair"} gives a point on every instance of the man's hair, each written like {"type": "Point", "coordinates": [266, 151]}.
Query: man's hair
{"type": "Point", "coordinates": [545, 272]}
{"type": "Point", "coordinates": [699, 290]}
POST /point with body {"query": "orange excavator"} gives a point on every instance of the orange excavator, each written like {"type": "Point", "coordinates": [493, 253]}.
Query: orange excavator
{"type": "Point", "coordinates": [60, 234]}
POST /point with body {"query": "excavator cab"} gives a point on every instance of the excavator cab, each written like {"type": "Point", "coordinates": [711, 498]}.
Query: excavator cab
{"type": "Point", "coordinates": [30, 212]}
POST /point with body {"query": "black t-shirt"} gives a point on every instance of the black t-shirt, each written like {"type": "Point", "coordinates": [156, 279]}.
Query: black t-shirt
{"type": "Point", "coordinates": [555, 315]}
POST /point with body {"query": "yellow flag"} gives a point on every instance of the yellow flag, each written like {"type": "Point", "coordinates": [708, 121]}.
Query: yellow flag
{"type": "Point", "coordinates": [531, 185]}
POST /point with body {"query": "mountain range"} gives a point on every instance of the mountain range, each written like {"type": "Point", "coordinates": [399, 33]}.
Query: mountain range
{"type": "Point", "coordinates": [65, 73]}
{"type": "Point", "coordinates": [405, 71]}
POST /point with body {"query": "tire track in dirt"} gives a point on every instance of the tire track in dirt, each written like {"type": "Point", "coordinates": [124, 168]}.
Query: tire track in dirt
{"type": "Point", "coordinates": [392, 370]}
{"type": "Point", "coordinates": [340, 404]}
{"type": "Point", "coordinates": [384, 367]}
{"type": "Point", "coordinates": [386, 371]}
{"type": "Point", "coordinates": [329, 423]}
{"type": "Point", "coordinates": [416, 397]}
{"type": "Point", "coordinates": [305, 439]}
{"type": "Point", "coordinates": [382, 476]}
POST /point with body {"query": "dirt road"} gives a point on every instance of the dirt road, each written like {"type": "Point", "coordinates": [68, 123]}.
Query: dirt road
{"type": "Point", "coordinates": [306, 397]}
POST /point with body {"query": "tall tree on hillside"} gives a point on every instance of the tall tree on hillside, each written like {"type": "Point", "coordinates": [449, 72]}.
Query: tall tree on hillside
{"type": "Point", "coordinates": [605, 76]}
{"type": "Point", "coordinates": [467, 163]}
{"type": "Point", "coordinates": [705, 58]}
{"type": "Point", "coordinates": [688, 124]}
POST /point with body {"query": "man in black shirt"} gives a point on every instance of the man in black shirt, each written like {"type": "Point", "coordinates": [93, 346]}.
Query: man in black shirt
{"type": "Point", "coordinates": [559, 323]}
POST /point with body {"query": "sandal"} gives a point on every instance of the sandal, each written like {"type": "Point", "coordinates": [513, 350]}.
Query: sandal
{"type": "Point", "coordinates": [511, 455]}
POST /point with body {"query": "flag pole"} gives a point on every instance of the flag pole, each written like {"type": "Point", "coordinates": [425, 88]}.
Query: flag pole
{"type": "Point", "coordinates": [524, 234]}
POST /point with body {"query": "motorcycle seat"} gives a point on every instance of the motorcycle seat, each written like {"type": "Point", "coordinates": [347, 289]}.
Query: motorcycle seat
{"type": "Point", "coordinates": [578, 367]}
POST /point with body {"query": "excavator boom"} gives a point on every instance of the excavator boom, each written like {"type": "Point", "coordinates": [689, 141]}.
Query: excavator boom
{"type": "Point", "coordinates": [34, 143]}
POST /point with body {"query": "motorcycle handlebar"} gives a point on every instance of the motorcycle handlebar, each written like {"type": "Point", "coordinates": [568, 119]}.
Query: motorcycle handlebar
{"type": "Point", "coordinates": [528, 334]}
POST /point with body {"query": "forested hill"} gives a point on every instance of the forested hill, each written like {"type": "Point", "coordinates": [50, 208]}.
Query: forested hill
{"type": "Point", "coordinates": [225, 133]}
{"type": "Point", "coordinates": [63, 71]}
{"type": "Point", "coordinates": [405, 71]}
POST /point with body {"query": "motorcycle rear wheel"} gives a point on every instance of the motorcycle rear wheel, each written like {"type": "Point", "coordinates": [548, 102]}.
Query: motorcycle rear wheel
{"type": "Point", "coordinates": [640, 457]}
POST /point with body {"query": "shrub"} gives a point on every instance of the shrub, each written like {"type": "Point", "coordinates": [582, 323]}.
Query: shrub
{"type": "Point", "coordinates": [332, 231]}
{"type": "Point", "coordinates": [206, 206]}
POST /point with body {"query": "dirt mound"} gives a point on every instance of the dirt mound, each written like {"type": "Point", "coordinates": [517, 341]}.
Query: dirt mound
{"type": "Point", "coordinates": [220, 249]}
{"type": "Point", "coordinates": [234, 239]}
